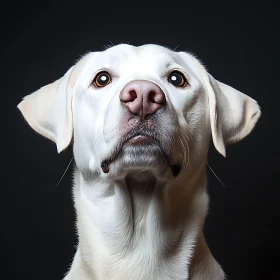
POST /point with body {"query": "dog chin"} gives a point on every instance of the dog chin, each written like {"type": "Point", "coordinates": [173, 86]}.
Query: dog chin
{"type": "Point", "coordinates": [138, 158]}
{"type": "Point", "coordinates": [142, 156]}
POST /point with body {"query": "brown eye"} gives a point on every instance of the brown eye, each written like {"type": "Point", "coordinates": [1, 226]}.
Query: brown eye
{"type": "Point", "coordinates": [177, 79]}
{"type": "Point", "coordinates": [102, 79]}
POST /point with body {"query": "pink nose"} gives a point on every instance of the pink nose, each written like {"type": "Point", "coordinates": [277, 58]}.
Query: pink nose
{"type": "Point", "coordinates": [142, 98]}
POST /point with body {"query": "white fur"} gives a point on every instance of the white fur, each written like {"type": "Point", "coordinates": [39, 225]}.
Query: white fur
{"type": "Point", "coordinates": [139, 220]}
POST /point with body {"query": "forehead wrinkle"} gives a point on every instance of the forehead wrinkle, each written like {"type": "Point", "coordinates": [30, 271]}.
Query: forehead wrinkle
{"type": "Point", "coordinates": [146, 58]}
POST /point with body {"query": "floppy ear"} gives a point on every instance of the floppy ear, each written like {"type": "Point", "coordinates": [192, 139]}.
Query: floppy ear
{"type": "Point", "coordinates": [233, 114]}
{"type": "Point", "coordinates": [49, 110]}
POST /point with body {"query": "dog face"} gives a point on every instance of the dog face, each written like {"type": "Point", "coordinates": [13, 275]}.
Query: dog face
{"type": "Point", "coordinates": [139, 108]}
{"type": "Point", "coordinates": [138, 117]}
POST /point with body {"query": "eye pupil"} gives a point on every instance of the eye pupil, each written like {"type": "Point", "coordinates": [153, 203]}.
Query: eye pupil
{"type": "Point", "coordinates": [177, 79]}
{"type": "Point", "coordinates": [102, 79]}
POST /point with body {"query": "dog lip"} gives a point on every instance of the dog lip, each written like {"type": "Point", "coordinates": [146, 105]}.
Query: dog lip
{"type": "Point", "coordinates": [139, 139]}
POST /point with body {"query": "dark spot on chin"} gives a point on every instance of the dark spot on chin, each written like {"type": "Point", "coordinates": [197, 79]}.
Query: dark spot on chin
{"type": "Point", "coordinates": [175, 169]}
{"type": "Point", "coordinates": [105, 167]}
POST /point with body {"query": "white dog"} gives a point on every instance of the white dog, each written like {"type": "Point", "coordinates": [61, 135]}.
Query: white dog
{"type": "Point", "coordinates": [140, 120]}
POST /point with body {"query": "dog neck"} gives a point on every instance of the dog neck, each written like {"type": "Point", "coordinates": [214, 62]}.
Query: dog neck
{"type": "Point", "coordinates": [136, 221]}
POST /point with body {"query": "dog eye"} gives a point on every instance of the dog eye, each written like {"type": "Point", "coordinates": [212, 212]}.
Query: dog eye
{"type": "Point", "coordinates": [102, 79]}
{"type": "Point", "coordinates": [177, 79]}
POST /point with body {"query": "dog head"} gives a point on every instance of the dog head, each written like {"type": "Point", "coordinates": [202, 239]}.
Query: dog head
{"type": "Point", "coordinates": [132, 108]}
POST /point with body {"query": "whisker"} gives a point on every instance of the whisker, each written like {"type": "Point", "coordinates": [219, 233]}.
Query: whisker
{"type": "Point", "coordinates": [187, 138]}
{"type": "Point", "coordinates": [216, 175]}
{"type": "Point", "coordinates": [184, 152]}
{"type": "Point", "coordinates": [64, 172]}
{"type": "Point", "coordinates": [175, 48]}
{"type": "Point", "coordinates": [145, 187]}
{"type": "Point", "coordinates": [145, 168]}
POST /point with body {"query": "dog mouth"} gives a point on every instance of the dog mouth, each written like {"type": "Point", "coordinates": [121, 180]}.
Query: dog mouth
{"type": "Point", "coordinates": [140, 138]}
{"type": "Point", "coordinates": [136, 138]}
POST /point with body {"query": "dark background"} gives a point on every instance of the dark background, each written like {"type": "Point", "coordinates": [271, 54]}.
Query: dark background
{"type": "Point", "coordinates": [239, 44]}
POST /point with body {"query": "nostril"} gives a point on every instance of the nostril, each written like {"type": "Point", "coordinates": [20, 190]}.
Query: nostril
{"type": "Point", "coordinates": [132, 95]}
{"type": "Point", "coordinates": [156, 97]}
{"type": "Point", "coordinates": [152, 96]}
{"type": "Point", "coordinates": [128, 95]}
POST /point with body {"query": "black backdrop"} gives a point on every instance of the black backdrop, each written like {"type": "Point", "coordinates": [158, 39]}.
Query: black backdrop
{"type": "Point", "coordinates": [239, 44]}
